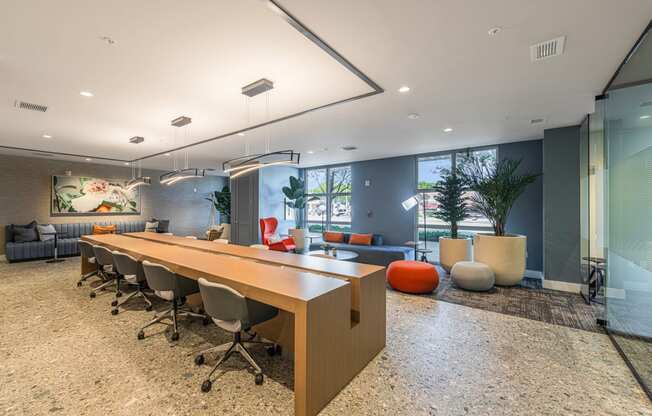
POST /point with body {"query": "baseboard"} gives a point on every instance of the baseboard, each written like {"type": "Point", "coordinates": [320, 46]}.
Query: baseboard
{"type": "Point", "coordinates": [562, 286]}
{"type": "Point", "coordinates": [534, 274]}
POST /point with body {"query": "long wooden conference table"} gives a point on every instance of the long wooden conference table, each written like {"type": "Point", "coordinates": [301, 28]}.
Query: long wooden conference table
{"type": "Point", "coordinates": [332, 313]}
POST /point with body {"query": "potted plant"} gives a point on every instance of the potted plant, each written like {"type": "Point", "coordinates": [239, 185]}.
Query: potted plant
{"type": "Point", "coordinates": [450, 195]}
{"type": "Point", "coordinates": [495, 188]}
{"type": "Point", "coordinates": [296, 200]}
{"type": "Point", "coordinates": [222, 204]}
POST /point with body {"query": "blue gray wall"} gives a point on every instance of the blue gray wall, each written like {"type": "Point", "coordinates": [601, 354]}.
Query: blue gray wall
{"type": "Point", "coordinates": [561, 202]}
{"type": "Point", "coordinates": [270, 194]}
{"type": "Point", "coordinates": [527, 214]}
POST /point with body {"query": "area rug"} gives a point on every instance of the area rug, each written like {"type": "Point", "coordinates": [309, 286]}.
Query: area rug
{"type": "Point", "coordinates": [527, 300]}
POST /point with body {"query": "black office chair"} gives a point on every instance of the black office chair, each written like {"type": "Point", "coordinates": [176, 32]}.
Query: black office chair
{"type": "Point", "coordinates": [104, 261]}
{"type": "Point", "coordinates": [129, 269]}
{"type": "Point", "coordinates": [173, 288]}
{"type": "Point", "coordinates": [234, 313]}
{"type": "Point", "coordinates": [86, 250]}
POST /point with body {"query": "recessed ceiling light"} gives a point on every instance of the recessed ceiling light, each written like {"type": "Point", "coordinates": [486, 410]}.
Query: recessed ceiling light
{"type": "Point", "coordinates": [167, 154]}
{"type": "Point", "coordinates": [404, 88]}
{"type": "Point", "coordinates": [88, 159]}
{"type": "Point", "coordinates": [494, 31]}
{"type": "Point", "coordinates": [241, 134]}
{"type": "Point", "coordinates": [47, 136]}
{"type": "Point", "coordinates": [127, 163]}
{"type": "Point", "coordinates": [448, 130]}
{"type": "Point", "coordinates": [310, 152]}
{"type": "Point", "coordinates": [413, 116]}
{"type": "Point", "coordinates": [86, 93]}
{"type": "Point", "coordinates": [645, 117]}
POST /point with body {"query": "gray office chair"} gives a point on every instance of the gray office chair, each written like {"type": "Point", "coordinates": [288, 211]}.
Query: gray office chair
{"type": "Point", "coordinates": [173, 288]}
{"type": "Point", "coordinates": [129, 269]}
{"type": "Point", "coordinates": [234, 313]}
{"type": "Point", "coordinates": [86, 250]}
{"type": "Point", "coordinates": [104, 261]}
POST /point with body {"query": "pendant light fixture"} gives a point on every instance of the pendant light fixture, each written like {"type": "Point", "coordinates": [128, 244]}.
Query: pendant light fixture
{"type": "Point", "coordinates": [249, 163]}
{"type": "Point", "coordinates": [179, 174]}
{"type": "Point", "coordinates": [137, 180]}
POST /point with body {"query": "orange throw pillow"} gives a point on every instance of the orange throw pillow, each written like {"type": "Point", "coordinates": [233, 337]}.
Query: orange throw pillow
{"type": "Point", "coordinates": [104, 229]}
{"type": "Point", "coordinates": [360, 239]}
{"type": "Point", "coordinates": [332, 237]}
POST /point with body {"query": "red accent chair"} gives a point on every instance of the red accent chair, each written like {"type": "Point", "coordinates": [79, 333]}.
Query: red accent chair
{"type": "Point", "coordinates": [268, 230]}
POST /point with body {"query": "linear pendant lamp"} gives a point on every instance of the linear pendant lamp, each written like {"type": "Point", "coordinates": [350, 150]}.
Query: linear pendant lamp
{"type": "Point", "coordinates": [139, 180]}
{"type": "Point", "coordinates": [249, 163]}
{"type": "Point", "coordinates": [180, 174]}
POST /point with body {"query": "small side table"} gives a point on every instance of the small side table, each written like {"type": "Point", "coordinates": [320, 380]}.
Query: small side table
{"type": "Point", "coordinates": [56, 258]}
{"type": "Point", "coordinates": [423, 252]}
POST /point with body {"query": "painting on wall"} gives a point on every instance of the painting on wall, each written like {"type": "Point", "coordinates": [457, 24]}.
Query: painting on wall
{"type": "Point", "coordinates": [76, 195]}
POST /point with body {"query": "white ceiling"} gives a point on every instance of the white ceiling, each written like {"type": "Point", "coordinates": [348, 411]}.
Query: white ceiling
{"type": "Point", "coordinates": [173, 59]}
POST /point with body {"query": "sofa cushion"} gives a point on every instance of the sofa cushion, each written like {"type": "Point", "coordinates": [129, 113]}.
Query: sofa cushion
{"type": "Point", "coordinates": [24, 234]}
{"type": "Point", "coordinates": [163, 225]}
{"type": "Point", "coordinates": [360, 239]}
{"type": "Point", "coordinates": [379, 255]}
{"type": "Point", "coordinates": [10, 233]}
{"type": "Point", "coordinates": [333, 237]}
{"type": "Point", "coordinates": [151, 226]}
{"type": "Point", "coordinates": [45, 232]}
{"type": "Point", "coordinates": [104, 229]}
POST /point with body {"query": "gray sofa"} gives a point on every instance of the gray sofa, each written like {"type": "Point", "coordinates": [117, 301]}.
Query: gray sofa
{"type": "Point", "coordinates": [377, 253]}
{"type": "Point", "coordinates": [67, 242]}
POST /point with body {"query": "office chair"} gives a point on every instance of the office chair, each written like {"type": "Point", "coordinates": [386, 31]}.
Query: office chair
{"type": "Point", "coordinates": [173, 288]}
{"type": "Point", "coordinates": [268, 228]}
{"type": "Point", "coordinates": [131, 271]}
{"type": "Point", "coordinates": [104, 261]}
{"type": "Point", "coordinates": [86, 250]}
{"type": "Point", "coordinates": [234, 313]}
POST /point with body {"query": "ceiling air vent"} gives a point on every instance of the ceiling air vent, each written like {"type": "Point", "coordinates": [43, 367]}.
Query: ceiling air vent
{"type": "Point", "coordinates": [537, 120]}
{"type": "Point", "coordinates": [547, 49]}
{"type": "Point", "coordinates": [29, 106]}
{"type": "Point", "coordinates": [136, 140]}
{"type": "Point", "coordinates": [348, 148]}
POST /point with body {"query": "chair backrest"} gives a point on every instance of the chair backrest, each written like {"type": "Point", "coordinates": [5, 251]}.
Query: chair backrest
{"type": "Point", "coordinates": [86, 249]}
{"type": "Point", "coordinates": [103, 255]}
{"type": "Point", "coordinates": [260, 246]}
{"type": "Point", "coordinates": [159, 277]}
{"type": "Point", "coordinates": [125, 264]}
{"type": "Point", "coordinates": [223, 303]}
{"type": "Point", "coordinates": [268, 228]}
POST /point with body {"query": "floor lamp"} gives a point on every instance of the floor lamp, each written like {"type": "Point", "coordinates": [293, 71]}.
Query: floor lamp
{"type": "Point", "coordinates": [410, 203]}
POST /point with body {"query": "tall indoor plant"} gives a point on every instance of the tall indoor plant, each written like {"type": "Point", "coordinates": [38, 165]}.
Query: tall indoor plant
{"type": "Point", "coordinates": [221, 201]}
{"type": "Point", "coordinates": [495, 188]}
{"type": "Point", "coordinates": [295, 195]}
{"type": "Point", "coordinates": [452, 207]}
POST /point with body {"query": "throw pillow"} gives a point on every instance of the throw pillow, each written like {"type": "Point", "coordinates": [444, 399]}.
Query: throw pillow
{"type": "Point", "coordinates": [12, 227]}
{"type": "Point", "coordinates": [45, 232]}
{"type": "Point", "coordinates": [104, 229]}
{"type": "Point", "coordinates": [25, 234]}
{"type": "Point", "coordinates": [360, 239]}
{"type": "Point", "coordinates": [163, 225]}
{"type": "Point", "coordinates": [333, 237]}
{"type": "Point", "coordinates": [151, 227]}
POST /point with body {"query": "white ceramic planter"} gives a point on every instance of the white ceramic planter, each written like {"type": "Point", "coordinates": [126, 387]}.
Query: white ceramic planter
{"type": "Point", "coordinates": [453, 250]}
{"type": "Point", "coordinates": [226, 234]}
{"type": "Point", "coordinates": [505, 255]}
{"type": "Point", "coordinates": [299, 237]}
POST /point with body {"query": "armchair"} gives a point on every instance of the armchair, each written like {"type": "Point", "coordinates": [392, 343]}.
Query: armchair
{"type": "Point", "coordinates": [268, 228]}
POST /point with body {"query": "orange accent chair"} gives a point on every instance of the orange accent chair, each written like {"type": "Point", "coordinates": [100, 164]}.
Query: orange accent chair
{"type": "Point", "coordinates": [411, 276]}
{"type": "Point", "coordinates": [268, 230]}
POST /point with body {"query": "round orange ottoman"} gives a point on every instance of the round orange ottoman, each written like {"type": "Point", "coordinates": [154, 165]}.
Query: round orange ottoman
{"type": "Point", "coordinates": [411, 276]}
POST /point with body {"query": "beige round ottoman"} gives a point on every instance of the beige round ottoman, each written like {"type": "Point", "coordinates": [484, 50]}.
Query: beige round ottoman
{"type": "Point", "coordinates": [471, 275]}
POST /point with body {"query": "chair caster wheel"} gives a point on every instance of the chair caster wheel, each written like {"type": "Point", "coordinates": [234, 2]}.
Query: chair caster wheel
{"type": "Point", "coordinates": [114, 311]}
{"type": "Point", "coordinates": [148, 308]}
{"type": "Point", "coordinates": [92, 295]}
{"type": "Point", "coordinates": [118, 294]}
{"type": "Point", "coordinates": [275, 350]}
{"type": "Point", "coordinates": [114, 303]}
{"type": "Point", "coordinates": [175, 336]}
{"type": "Point", "coordinates": [199, 360]}
{"type": "Point", "coordinates": [141, 335]}
{"type": "Point", "coordinates": [206, 321]}
{"type": "Point", "coordinates": [79, 284]}
{"type": "Point", "coordinates": [206, 386]}
{"type": "Point", "coordinates": [259, 379]}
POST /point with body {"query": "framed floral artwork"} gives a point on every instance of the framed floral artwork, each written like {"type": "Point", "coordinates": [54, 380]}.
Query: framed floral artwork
{"type": "Point", "coordinates": [76, 195]}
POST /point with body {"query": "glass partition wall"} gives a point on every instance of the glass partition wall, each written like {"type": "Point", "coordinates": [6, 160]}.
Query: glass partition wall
{"type": "Point", "coordinates": [620, 212]}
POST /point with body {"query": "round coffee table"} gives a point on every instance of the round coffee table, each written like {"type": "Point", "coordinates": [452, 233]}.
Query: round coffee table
{"type": "Point", "coordinates": [339, 254]}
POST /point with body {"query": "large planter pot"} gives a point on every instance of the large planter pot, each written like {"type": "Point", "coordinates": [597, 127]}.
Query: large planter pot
{"type": "Point", "coordinates": [299, 237]}
{"type": "Point", "coordinates": [452, 250]}
{"type": "Point", "coordinates": [505, 255]}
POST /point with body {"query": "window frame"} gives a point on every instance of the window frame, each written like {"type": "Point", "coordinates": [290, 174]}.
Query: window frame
{"type": "Point", "coordinates": [330, 196]}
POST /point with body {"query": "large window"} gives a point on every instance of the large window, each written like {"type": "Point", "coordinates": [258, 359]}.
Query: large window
{"type": "Point", "coordinates": [430, 170]}
{"type": "Point", "coordinates": [328, 191]}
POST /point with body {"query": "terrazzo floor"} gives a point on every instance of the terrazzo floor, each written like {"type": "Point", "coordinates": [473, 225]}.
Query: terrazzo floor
{"type": "Point", "coordinates": [63, 353]}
